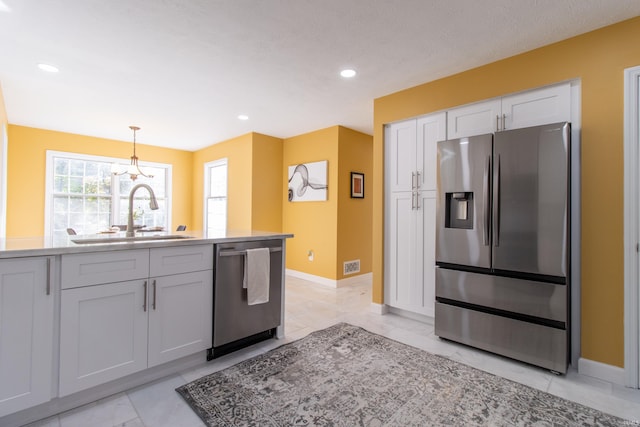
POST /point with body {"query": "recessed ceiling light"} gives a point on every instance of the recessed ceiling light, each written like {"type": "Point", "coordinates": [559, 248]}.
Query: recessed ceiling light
{"type": "Point", "coordinates": [243, 117]}
{"type": "Point", "coordinates": [48, 68]}
{"type": "Point", "coordinates": [348, 73]}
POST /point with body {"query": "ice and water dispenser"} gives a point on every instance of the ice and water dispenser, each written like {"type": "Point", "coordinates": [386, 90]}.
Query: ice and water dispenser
{"type": "Point", "coordinates": [459, 210]}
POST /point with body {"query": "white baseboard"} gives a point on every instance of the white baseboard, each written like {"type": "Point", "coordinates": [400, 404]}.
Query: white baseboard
{"type": "Point", "coordinates": [602, 371]}
{"type": "Point", "coordinates": [423, 318]}
{"type": "Point", "coordinates": [366, 278]}
{"type": "Point", "coordinates": [379, 308]}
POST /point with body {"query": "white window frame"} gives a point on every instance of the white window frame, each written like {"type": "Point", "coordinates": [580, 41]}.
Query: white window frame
{"type": "Point", "coordinates": [49, 182]}
{"type": "Point", "coordinates": [631, 227]}
{"type": "Point", "coordinates": [207, 190]}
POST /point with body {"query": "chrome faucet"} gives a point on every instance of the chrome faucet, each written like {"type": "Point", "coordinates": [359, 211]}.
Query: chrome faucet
{"type": "Point", "coordinates": [153, 204]}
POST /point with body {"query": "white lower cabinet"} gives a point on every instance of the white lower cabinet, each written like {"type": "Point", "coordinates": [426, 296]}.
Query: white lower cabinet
{"type": "Point", "coordinates": [412, 252]}
{"type": "Point", "coordinates": [111, 330]}
{"type": "Point", "coordinates": [26, 333]}
{"type": "Point", "coordinates": [103, 334]}
{"type": "Point", "coordinates": [180, 316]}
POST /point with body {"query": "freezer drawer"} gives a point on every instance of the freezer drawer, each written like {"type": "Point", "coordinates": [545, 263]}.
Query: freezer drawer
{"type": "Point", "coordinates": [528, 342]}
{"type": "Point", "coordinates": [233, 318]}
{"type": "Point", "coordinates": [527, 297]}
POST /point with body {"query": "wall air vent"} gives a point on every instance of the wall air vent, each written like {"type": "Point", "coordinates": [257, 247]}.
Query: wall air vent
{"type": "Point", "coordinates": [351, 267]}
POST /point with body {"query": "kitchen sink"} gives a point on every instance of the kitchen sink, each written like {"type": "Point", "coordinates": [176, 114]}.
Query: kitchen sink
{"type": "Point", "coordinates": [122, 239]}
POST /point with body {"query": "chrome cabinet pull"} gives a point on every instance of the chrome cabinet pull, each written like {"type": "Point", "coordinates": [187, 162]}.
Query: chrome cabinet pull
{"type": "Point", "coordinates": [154, 294]}
{"type": "Point", "coordinates": [417, 201]}
{"type": "Point", "coordinates": [497, 122]}
{"type": "Point", "coordinates": [418, 180]}
{"type": "Point", "coordinates": [48, 288]}
{"type": "Point", "coordinates": [413, 206]}
{"type": "Point", "coordinates": [504, 119]}
{"type": "Point", "coordinates": [144, 302]}
{"type": "Point", "coordinates": [413, 180]}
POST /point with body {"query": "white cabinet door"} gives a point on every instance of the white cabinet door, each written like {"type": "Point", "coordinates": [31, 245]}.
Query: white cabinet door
{"type": "Point", "coordinates": [537, 107]}
{"type": "Point", "coordinates": [402, 244]}
{"type": "Point", "coordinates": [26, 333]}
{"type": "Point", "coordinates": [431, 129]}
{"type": "Point", "coordinates": [428, 280]}
{"type": "Point", "coordinates": [180, 315]}
{"type": "Point", "coordinates": [103, 334]}
{"type": "Point", "coordinates": [401, 149]}
{"type": "Point", "coordinates": [474, 119]}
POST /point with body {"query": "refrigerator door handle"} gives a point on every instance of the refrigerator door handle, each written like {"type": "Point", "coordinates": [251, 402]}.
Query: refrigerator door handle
{"type": "Point", "coordinates": [496, 206]}
{"type": "Point", "coordinates": [485, 201]}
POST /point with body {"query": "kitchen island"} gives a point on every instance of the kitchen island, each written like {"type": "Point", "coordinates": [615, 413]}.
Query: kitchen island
{"type": "Point", "coordinates": [88, 316]}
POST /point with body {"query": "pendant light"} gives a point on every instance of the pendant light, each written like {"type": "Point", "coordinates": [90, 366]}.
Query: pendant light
{"type": "Point", "coordinates": [133, 169]}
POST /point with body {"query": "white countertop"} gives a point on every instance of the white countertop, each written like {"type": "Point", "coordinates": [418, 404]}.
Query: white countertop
{"type": "Point", "coordinates": [43, 246]}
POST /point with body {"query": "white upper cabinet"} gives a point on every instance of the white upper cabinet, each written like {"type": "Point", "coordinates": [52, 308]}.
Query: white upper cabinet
{"type": "Point", "coordinates": [431, 129]}
{"type": "Point", "coordinates": [412, 151]}
{"type": "Point", "coordinates": [536, 107]}
{"type": "Point", "coordinates": [401, 149]}
{"type": "Point", "coordinates": [474, 119]}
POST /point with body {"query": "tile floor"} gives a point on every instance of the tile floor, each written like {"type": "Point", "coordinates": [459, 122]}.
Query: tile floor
{"type": "Point", "coordinates": [310, 307]}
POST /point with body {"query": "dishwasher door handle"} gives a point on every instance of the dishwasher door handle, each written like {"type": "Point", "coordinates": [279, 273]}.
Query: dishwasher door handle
{"type": "Point", "coordinates": [243, 252]}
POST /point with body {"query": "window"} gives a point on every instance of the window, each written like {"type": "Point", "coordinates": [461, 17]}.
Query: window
{"type": "Point", "coordinates": [215, 195]}
{"type": "Point", "coordinates": [83, 194]}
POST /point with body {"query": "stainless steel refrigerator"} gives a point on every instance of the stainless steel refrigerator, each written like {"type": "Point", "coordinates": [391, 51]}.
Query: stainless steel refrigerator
{"type": "Point", "coordinates": [502, 243]}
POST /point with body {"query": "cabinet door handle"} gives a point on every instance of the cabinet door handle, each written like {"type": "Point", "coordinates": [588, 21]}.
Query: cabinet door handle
{"type": "Point", "coordinates": [418, 180]}
{"type": "Point", "coordinates": [413, 180]}
{"type": "Point", "coordinates": [417, 201]}
{"type": "Point", "coordinates": [144, 301]}
{"type": "Point", "coordinates": [413, 206]}
{"type": "Point", "coordinates": [48, 289]}
{"type": "Point", "coordinates": [497, 122]}
{"type": "Point", "coordinates": [504, 119]}
{"type": "Point", "coordinates": [154, 294]}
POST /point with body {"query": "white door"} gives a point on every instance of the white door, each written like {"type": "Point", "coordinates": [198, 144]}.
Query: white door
{"type": "Point", "coordinates": [103, 334]}
{"type": "Point", "coordinates": [180, 315]}
{"type": "Point", "coordinates": [26, 333]}
{"type": "Point", "coordinates": [400, 140]}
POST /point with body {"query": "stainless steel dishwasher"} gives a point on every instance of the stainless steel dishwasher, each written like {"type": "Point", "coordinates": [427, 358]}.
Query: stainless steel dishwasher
{"type": "Point", "coordinates": [237, 324]}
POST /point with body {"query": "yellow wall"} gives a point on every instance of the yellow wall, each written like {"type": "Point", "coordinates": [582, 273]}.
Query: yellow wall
{"type": "Point", "coordinates": [597, 58]}
{"type": "Point", "coordinates": [338, 229]}
{"type": "Point", "coordinates": [254, 182]}
{"type": "Point", "coordinates": [267, 191]}
{"type": "Point", "coordinates": [355, 154]}
{"type": "Point", "coordinates": [237, 151]}
{"type": "Point", "coordinates": [27, 163]}
{"type": "Point", "coordinates": [314, 224]}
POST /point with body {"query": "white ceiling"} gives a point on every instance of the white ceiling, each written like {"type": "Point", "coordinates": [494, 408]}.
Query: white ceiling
{"type": "Point", "coordinates": [183, 70]}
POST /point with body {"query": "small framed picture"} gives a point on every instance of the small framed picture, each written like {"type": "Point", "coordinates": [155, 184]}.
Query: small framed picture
{"type": "Point", "coordinates": [357, 185]}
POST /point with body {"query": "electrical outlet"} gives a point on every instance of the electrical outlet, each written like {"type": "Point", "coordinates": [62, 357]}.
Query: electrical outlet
{"type": "Point", "coordinates": [310, 255]}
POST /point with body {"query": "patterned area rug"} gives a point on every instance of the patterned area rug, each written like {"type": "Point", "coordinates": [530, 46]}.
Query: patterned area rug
{"type": "Point", "coordinates": [346, 376]}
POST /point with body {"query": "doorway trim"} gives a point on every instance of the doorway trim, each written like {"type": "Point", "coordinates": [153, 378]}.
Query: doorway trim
{"type": "Point", "coordinates": [631, 226]}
